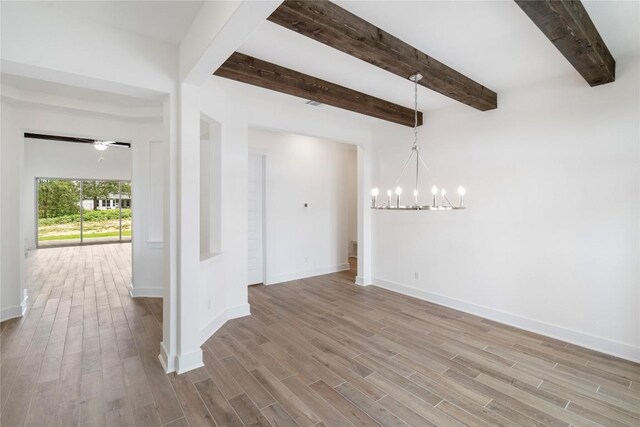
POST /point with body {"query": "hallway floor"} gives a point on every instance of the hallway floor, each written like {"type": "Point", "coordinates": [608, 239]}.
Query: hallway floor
{"type": "Point", "coordinates": [317, 351]}
{"type": "Point", "coordinates": [86, 353]}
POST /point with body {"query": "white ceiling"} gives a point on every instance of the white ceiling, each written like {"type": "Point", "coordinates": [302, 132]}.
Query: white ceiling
{"type": "Point", "coordinates": [492, 42]}
{"type": "Point", "coordinates": [76, 92]}
{"type": "Point", "coordinates": [162, 20]}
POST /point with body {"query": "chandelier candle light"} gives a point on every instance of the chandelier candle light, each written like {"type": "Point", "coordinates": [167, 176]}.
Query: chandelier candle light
{"type": "Point", "coordinates": [445, 204]}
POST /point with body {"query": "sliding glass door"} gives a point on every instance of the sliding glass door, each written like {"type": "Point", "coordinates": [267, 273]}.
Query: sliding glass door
{"type": "Point", "coordinates": [83, 211]}
{"type": "Point", "coordinates": [102, 212]}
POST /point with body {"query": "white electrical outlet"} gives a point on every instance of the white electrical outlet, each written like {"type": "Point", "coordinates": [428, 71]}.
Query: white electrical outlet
{"type": "Point", "coordinates": [416, 275]}
{"type": "Point", "coordinates": [209, 303]}
{"type": "Point", "coordinates": [306, 259]}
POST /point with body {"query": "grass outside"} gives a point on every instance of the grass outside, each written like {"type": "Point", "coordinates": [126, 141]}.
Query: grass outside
{"type": "Point", "coordinates": [125, 233]}
{"type": "Point", "coordinates": [98, 228]}
{"type": "Point", "coordinates": [88, 216]}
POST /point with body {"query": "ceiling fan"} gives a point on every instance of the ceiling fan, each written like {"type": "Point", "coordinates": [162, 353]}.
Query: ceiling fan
{"type": "Point", "coordinates": [102, 145]}
{"type": "Point", "coordinates": [99, 144]}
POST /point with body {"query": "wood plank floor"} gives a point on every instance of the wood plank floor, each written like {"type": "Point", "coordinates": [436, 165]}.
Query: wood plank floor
{"type": "Point", "coordinates": [317, 351]}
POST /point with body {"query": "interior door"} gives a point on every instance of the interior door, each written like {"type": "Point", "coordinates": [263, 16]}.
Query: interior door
{"type": "Point", "coordinates": [256, 222]}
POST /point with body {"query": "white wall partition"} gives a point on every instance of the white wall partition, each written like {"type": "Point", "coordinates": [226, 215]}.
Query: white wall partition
{"type": "Point", "coordinates": [156, 185]}
{"type": "Point", "coordinates": [550, 239]}
{"type": "Point", "coordinates": [12, 295]}
{"type": "Point", "coordinates": [223, 278]}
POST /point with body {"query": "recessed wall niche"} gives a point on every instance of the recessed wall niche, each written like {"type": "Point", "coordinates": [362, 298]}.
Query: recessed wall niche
{"type": "Point", "coordinates": [210, 187]}
{"type": "Point", "coordinates": [156, 189]}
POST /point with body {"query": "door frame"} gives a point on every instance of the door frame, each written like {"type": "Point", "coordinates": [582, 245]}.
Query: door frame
{"type": "Point", "coordinates": [36, 206]}
{"type": "Point", "coordinates": [264, 155]}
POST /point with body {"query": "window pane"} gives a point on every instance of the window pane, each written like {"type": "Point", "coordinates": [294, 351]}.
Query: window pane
{"type": "Point", "coordinates": [58, 212]}
{"type": "Point", "coordinates": [101, 211]}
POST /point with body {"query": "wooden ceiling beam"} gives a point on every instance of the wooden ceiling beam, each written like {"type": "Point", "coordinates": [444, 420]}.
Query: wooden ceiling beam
{"type": "Point", "coordinates": [246, 69]}
{"type": "Point", "coordinates": [568, 26]}
{"type": "Point", "coordinates": [334, 26]}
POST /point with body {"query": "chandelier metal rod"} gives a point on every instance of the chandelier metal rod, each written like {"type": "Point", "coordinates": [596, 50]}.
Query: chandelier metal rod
{"type": "Point", "coordinates": [415, 79]}
{"type": "Point", "coordinates": [416, 148]}
{"type": "Point", "coordinates": [417, 172]}
{"type": "Point", "coordinates": [433, 178]}
{"type": "Point", "coordinates": [404, 168]}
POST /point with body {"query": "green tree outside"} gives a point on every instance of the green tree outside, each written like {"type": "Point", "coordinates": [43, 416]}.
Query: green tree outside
{"type": "Point", "coordinates": [58, 198]}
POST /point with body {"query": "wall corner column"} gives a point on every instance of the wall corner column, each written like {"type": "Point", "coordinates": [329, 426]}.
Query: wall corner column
{"type": "Point", "coordinates": [188, 351]}
{"type": "Point", "coordinates": [168, 346]}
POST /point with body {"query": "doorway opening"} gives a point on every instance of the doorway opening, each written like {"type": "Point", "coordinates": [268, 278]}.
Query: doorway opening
{"type": "Point", "coordinates": [79, 212]}
{"type": "Point", "coordinates": [302, 207]}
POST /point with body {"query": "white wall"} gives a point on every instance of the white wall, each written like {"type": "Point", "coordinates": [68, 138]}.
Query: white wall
{"type": "Point", "coordinates": [550, 239]}
{"type": "Point", "coordinates": [12, 302]}
{"type": "Point", "coordinates": [52, 159]}
{"type": "Point", "coordinates": [303, 242]}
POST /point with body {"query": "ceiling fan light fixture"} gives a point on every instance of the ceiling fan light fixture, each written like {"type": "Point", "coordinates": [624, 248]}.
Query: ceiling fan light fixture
{"type": "Point", "coordinates": [100, 145]}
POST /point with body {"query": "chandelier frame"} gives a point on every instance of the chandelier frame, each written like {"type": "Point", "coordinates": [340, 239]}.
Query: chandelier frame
{"type": "Point", "coordinates": [445, 205]}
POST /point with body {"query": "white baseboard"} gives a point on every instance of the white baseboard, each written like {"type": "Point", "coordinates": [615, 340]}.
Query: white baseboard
{"type": "Point", "coordinates": [363, 281]}
{"type": "Point", "coordinates": [182, 363]}
{"type": "Point", "coordinates": [222, 318]}
{"type": "Point", "coordinates": [287, 277]}
{"type": "Point", "coordinates": [15, 311]}
{"type": "Point", "coordinates": [188, 362]}
{"type": "Point", "coordinates": [167, 362]}
{"type": "Point", "coordinates": [145, 292]}
{"type": "Point", "coordinates": [604, 345]}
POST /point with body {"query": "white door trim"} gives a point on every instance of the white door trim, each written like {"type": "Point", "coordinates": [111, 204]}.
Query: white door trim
{"type": "Point", "coordinates": [264, 157]}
